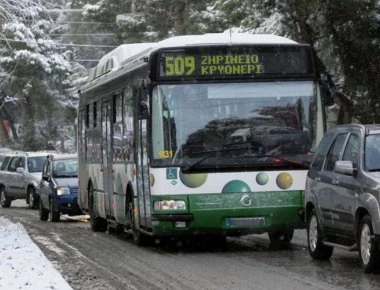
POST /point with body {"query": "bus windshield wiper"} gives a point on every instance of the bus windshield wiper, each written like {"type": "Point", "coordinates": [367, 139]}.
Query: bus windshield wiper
{"type": "Point", "coordinates": [211, 153]}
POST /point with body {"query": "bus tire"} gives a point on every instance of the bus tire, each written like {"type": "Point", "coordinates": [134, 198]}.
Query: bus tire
{"type": "Point", "coordinates": [98, 224]}
{"type": "Point", "coordinates": [139, 238]}
{"type": "Point", "coordinates": [281, 238]}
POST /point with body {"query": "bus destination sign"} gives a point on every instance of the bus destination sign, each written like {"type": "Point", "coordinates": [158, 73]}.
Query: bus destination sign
{"type": "Point", "coordinates": [239, 62]}
{"type": "Point", "coordinates": [209, 65]}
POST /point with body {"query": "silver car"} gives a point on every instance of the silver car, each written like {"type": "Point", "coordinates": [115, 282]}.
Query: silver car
{"type": "Point", "coordinates": [343, 192]}
{"type": "Point", "coordinates": [20, 173]}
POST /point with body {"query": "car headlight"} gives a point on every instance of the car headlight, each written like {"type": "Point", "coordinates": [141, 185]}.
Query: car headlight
{"type": "Point", "coordinates": [63, 190]}
{"type": "Point", "coordinates": [169, 205]}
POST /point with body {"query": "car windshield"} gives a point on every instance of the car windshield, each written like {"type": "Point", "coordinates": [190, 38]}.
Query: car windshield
{"type": "Point", "coordinates": [372, 152]}
{"type": "Point", "coordinates": [65, 168]}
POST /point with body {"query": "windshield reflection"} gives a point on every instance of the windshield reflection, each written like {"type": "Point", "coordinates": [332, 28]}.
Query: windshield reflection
{"type": "Point", "coordinates": [234, 124]}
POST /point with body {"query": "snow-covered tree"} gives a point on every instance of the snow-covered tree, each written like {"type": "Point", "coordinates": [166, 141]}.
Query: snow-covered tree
{"type": "Point", "coordinates": [37, 73]}
{"type": "Point", "coordinates": [150, 20]}
{"type": "Point", "coordinates": [345, 35]}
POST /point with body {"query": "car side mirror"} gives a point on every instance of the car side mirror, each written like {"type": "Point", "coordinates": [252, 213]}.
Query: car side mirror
{"type": "Point", "coordinates": [20, 170]}
{"type": "Point", "coordinates": [46, 178]}
{"type": "Point", "coordinates": [345, 167]}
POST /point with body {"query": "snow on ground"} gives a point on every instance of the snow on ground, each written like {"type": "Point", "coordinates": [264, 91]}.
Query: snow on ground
{"type": "Point", "coordinates": [22, 263]}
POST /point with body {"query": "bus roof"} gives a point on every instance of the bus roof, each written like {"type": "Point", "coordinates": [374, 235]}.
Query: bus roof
{"type": "Point", "coordinates": [129, 52]}
{"type": "Point", "coordinates": [224, 38]}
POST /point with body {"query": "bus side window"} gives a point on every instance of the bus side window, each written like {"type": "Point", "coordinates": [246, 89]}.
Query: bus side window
{"type": "Point", "coordinates": [128, 121]}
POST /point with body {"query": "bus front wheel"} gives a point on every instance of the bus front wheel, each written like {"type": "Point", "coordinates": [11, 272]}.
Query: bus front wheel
{"type": "Point", "coordinates": [139, 238]}
{"type": "Point", "coordinates": [98, 224]}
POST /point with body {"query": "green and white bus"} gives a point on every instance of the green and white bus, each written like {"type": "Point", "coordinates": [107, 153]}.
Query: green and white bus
{"type": "Point", "coordinates": [200, 135]}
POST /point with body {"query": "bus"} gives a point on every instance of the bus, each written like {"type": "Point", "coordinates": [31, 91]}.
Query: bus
{"type": "Point", "coordinates": [200, 135]}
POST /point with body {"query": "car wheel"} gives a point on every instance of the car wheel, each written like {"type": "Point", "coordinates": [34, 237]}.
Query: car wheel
{"type": "Point", "coordinates": [314, 239]}
{"type": "Point", "coordinates": [32, 198]}
{"type": "Point", "coordinates": [4, 200]}
{"type": "Point", "coordinates": [54, 215]}
{"type": "Point", "coordinates": [98, 224]}
{"type": "Point", "coordinates": [368, 252]}
{"type": "Point", "coordinates": [280, 238]}
{"type": "Point", "coordinates": [44, 213]}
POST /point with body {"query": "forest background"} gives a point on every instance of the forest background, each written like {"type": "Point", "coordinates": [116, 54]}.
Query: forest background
{"type": "Point", "coordinates": [46, 48]}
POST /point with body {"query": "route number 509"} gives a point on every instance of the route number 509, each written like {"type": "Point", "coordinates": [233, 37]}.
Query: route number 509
{"type": "Point", "coordinates": [179, 65]}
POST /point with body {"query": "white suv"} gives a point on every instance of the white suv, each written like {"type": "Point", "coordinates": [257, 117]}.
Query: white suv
{"type": "Point", "coordinates": [20, 174]}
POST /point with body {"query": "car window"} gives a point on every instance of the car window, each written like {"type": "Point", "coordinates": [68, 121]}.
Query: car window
{"type": "Point", "coordinates": [35, 164]}
{"type": "Point", "coordinates": [5, 163]}
{"type": "Point", "coordinates": [319, 156]}
{"type": "Point", "coordinates": [334, 151]}
{"type": "Point", "coordinates": [372, 152]}
{"type": "Point", "coordinates": [351, 152]}
{"type": "Point", "coordinates": [15, 163]}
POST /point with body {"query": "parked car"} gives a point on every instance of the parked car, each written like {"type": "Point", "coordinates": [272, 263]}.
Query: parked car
{"type": "Point", "coordinates": [343, 192]}
{"type": "Point", "coordinates": [20, 173]}
{"type": "Point", "coordinates": [58, 187]}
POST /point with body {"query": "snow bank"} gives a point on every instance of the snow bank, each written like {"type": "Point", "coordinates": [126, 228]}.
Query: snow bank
{"type": "Point", "coordinates": [22, 263]}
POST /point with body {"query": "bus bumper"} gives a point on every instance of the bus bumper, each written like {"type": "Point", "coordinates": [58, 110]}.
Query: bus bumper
{"type": "Point", "coordinates": [219, 222]}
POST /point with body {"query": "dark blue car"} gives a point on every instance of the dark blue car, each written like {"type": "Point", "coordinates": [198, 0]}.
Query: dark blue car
{"type": "Point", "coordinates": [58, 188]}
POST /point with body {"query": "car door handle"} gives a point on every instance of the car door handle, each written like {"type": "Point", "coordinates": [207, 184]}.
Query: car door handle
{"type": "Point", "coordinates": [317, 179]}
{"type": "Point", "coordinates": [335, 182]}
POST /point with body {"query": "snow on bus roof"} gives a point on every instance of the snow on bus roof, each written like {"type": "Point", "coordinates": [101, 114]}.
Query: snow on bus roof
{"type": "Point", "coordinates": [224, 38]}
{"type": "Point", "coordinates": [126, 51]}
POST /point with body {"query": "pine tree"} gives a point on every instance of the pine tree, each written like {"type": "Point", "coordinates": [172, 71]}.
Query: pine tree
{"type": "Point", "coordinates": [36, 71]}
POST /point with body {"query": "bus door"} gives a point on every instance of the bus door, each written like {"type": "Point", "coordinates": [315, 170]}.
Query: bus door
{"type": "Point", "coordinates": [143, 190]}
{"type": "Point", "coordinates": [107, 155]}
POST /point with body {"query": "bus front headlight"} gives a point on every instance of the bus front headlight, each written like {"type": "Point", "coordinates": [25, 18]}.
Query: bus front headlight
{"type": "Point", "coordinates": [169, 205]}
{"type": "Point", "coordinates": [63, 190]}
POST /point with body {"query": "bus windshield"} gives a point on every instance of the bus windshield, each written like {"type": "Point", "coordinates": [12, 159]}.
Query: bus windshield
{"type": "Point", "coordinates": [224, 125]}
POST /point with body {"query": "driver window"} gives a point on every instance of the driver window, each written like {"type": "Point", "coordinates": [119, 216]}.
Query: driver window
{"type": "Point", "coordinates": [351, 152]}
{"type": "Point", "coordinates": [15, 162]}
{"type": "Point", "coordinates": [334, 153]}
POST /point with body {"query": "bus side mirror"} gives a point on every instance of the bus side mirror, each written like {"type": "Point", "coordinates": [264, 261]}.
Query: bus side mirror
{"type": "Point", "coordinates": [143, 106]}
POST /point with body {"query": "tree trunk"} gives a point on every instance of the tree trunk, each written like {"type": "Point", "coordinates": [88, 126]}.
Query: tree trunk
{"type": "Point", "coordinates": [4, 137]}
{"type": "Point", "coordinates": [178, 17]}
{"type": "Point", "coordinates": [29, 133]}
